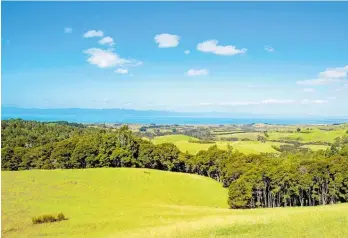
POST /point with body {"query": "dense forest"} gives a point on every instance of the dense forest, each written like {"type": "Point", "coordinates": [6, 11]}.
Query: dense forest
{"type": "Point", "coordinates": [291, 177]}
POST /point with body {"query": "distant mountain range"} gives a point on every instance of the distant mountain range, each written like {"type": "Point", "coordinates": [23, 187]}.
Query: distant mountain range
{"type": "Point", "coordinates": [153, 116]}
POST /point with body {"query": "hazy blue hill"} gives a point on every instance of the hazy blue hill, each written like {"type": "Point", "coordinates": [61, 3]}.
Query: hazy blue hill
{"type": "Point", "coordinates": [152, 116]}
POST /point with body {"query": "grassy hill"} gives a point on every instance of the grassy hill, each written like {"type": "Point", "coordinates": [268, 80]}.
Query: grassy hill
{"type": "Point", "coordinates": [127, 202]}
{"type": "Point", "coordinates": [103, 201]}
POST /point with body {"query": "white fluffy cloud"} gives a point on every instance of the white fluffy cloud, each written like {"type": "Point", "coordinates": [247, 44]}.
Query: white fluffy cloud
{"type": "Point", "coordinates": [108, 58]}
{"type": "Point", "coordinates": [93, 33]}
{"type": "Point", "coordinates": [197, 72]}
{"type": "Point", "coordinates": [67, 30]}
{"type": "Point", "coordinates": [211, 46]}
{"type": "Point", "coordinates": [331, 75]}
{"type": "Point", "coordinates": [121, 71]}
{"type": "Point", "coordinates": [335, 73]}
{"type": "Point", "coordinates": [167, 40]}
{"type": "Point", "coordinates": [187, 52]}
{"type": "Point", "coordinates": [269, 48]}
{"type": "Point", "coordinates": [107, 41]}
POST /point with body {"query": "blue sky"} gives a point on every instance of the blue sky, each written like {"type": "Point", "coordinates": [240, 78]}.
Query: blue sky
{"type": "Point", "coordinates": [265, 58]}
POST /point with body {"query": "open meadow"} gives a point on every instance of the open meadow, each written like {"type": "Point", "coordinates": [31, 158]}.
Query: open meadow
{"type": "Point", "coordinates": [126, 202]}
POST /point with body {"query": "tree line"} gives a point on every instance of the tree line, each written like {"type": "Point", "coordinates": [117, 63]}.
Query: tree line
{"type": "Point", "coordinates": [289, 178]}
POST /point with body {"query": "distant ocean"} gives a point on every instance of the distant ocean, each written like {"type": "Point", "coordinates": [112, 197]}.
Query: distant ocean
{"type": "Point", "coordinates": [149, 117]}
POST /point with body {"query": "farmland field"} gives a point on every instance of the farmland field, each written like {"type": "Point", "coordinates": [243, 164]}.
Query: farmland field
{"type": "Point", "coordinates": [316, 147]}
{"type": "Point", "coordinates": [127, 202]}
{"type": "Point", "coordinates": [182, 142]}
{"type": "Point", "coordinates": [307, 136]}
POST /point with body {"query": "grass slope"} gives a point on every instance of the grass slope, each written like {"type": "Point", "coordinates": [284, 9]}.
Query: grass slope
{"type": "Point", "coordinates": [127, 202]}
{"type": "Point", "coordinates": [99, 202]}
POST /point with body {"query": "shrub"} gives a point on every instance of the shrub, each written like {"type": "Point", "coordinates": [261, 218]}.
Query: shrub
{"type": "Point", "coordinates": [61, 217]}
{"type": "Point", "coordinates": [48, 218]}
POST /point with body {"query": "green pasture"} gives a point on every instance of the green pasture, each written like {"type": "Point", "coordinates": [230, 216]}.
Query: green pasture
{"type": "Point", "coordinates": [307, 136]}
{"type": "Point", "coordinates": [248, 147]}
{"type": "Point", "coordinates": [126, 202]}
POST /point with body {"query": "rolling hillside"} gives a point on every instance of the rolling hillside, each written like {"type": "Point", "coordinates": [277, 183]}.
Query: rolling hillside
{"type": "Point", "coordinates": [103, 201]}
{"type": "Point", "coordinates": [126, 202]}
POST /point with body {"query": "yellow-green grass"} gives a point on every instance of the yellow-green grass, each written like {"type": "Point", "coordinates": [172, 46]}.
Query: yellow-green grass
{"type": "Point", "coordinates": [101, 202]}
{"type": "Point", "coordinates": [148, 203]}
{"type": "Point", "coordinates": [307, 222]}
{"type": "Point", "coordinates": [306, 136]}
{"type": "Point", "coordinates": [182, 142]}
{"type": "Point", "coordinates": [316, 147]}
{"type": "Point", "coordinates": [248, 147]}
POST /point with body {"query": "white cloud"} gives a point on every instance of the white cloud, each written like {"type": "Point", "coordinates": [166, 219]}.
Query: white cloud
{"type": "Point", "coordinates": [93, 33]}
{"type": "Point", "coordinates": [107, 41]}
{"type": "Point", "coordinates": [269, 49]}
{"type": "Point", "coordinates": [308, 90]}
{"type": "Point", "coordinates": [306, 101]}
{"type": "Point", "coordinates": [187, 52]}
{"type": "Point", "coordinates": [211, 46]}
{"type": "Point", "coordinates": [121, 71]}
{"type": "Point", "coordinates": [197, 72]}
{"type": "Point", "coordinates": [167, 40]}
{"type": "Point", "coordinates": [335, 73]}
{"type": "Point", "coordinates": [107, 58]}
{"type": "Point", "coordinates": [330, 75]}
{"type": "Point", "coordinates": [67, 30]}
